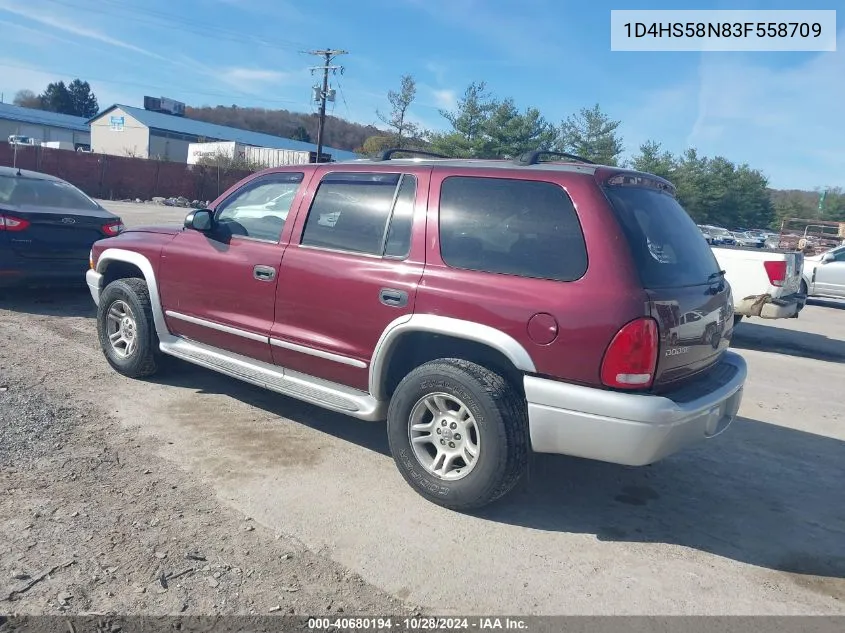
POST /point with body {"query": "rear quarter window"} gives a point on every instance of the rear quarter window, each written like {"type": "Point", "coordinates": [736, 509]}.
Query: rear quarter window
{"type": "Point", "coordinates": [509, 226]}
{"type": "Point", "coordinates": [668, 248]}
{"type": "Point", "coordinates": [22, 191]}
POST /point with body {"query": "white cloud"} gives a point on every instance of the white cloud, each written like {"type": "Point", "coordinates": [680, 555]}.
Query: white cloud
{"type": "Point", "coordinates": [17, 75]}
{"type": "Point", "coordinates": [12, 31]}
{"type": "Point", "coordinates": [14, 76]}
{"type": "Point", "coordinates": [783, 120]}
{"type": "Point", "coordinates": [445, 99]}
{"type": "Point", "coordinates": [43, 15]}
{"type": "Point", "coordinates": [251, 76]}
{"type": "Point", "coordinates": [438, 70]}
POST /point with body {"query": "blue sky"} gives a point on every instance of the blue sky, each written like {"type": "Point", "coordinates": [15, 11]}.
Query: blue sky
{"type": "Point", "coordinates": [780, 112]}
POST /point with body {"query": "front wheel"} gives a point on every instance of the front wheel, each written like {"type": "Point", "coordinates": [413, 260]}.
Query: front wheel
{"type": "Point", "coordinates": [458, 433]}
{"type": "Point", "coordinates": [125, 328]}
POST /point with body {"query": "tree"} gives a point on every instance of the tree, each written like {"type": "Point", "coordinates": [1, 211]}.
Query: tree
{"type": "Point", "coordinates": [226, 163]}
{"type": "Point", "coordinates": [56, 98]}
{"type": "Point", "coordinates": [27, 99]}
{"type": "Point", "coordinates": [592, 135]}
{"type": "Point", "coordinates": [375, 144]}
{"type": "Point", "coordinates": [82, 100]}
{"type": "Point", "coordinates": [301, 134]}
{"type": "Point", "coordinates": [653, 159]}
{"type": "Point", "coordinates": [469, 123]}
{"type": "Point", "coordinates": [712, 190]}
{"type": "Point", "coordinates": [400, 101]}
{"type": "Point", "coordinates": [512, 133]}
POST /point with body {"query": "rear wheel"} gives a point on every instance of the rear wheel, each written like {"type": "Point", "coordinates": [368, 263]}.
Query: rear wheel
{"type": "Point", "coordinates": [458, 433]}
{"type": "Point", "coordinates": [805, 292]}
{"type": "Point", "coordinates": [125, 328]}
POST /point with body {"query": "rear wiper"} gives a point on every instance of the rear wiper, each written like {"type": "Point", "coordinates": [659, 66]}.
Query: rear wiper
{"type": "Point", "coordinates": [721, 273]}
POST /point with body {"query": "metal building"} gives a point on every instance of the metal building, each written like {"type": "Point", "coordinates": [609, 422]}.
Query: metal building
{"type": "Point", "coordinates": [122, 130]}
{"type": "Point", "coordinates": [43, 126]}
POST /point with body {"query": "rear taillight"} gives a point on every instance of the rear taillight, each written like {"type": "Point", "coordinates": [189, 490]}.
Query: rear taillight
{"type": "Point", "coordinates": [631, 357]}
{"type": "Point", "coordinates": [776, 270]}
{"type": "Point", "coordinates": [11, 223]}
{"type": "Point", "coordinates": [113, 228]}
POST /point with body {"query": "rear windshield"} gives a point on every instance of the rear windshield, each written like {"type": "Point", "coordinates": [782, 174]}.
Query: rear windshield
{"type": "Point", "coordinates": [668, 248]}
{"type": "Point", "coordinates": [35, 192]}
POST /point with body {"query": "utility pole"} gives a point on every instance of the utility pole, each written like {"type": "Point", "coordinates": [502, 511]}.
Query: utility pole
{"type": "Point", "coordinates": [323, 94]}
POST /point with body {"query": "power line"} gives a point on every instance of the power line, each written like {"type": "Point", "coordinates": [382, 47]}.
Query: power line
{"type": "Point", "coordinates": [328, 56]}
{"type": "Point", "coordinates": [182, 24]}
{"type": "Point", "coordinates": [343, 98]}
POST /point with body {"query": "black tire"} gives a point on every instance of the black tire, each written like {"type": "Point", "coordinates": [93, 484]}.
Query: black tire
{"type": "Point", "coordinates": [143, 361]}
{"type": "Point", "coordinates": [737, 319]}
{"type": "Point", "coordinates": [501, 419]}
{"type": "Point", "coordinates": [804, 291]}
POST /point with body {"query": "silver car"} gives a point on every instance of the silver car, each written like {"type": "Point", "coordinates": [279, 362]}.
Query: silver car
{"type": "Point", "coordinates": [824, 274]}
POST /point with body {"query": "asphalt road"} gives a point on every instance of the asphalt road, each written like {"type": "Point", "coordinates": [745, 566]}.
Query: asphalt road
{"type": "Point", "coordinates": [750, 523]}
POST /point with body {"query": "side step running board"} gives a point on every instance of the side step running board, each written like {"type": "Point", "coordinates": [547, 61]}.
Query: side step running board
{"type": "Point", "coordinates": [317, 391]}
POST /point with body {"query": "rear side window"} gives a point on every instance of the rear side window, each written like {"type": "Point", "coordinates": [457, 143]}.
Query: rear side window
{"type": "Point", "coordinates": [668, 248]}
{"type": "Point", "coordinates": [352, 212]}
{"type": "Point", "coordinates": [399, 233]}
{"type": "Point", "coordinates": [22, 191]}
{"type": "Point", "coordinates": [513, 227]}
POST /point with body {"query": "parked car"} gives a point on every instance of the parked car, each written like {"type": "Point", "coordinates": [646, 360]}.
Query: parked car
{"type": "Point", "coordinates": [719, 236]}
{"type": "Point", "coordinates": [824, 274]}
{"type": "Point", "coordinates": [47, 228]}
{"type": "Point", "coordinates": [483, 308]}
{"type": "Point", "coordinates": [765, 283]}
{"type": "Point", "coordinates": [17, 139]}
{"type": "Point", "coordinates": [746, 238]}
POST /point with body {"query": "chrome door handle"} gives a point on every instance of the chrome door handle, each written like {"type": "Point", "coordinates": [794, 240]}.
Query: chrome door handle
{"type": "Point", "coordinates": [393, 298]}
{"type": "Point", "coordinates": [264, 273]}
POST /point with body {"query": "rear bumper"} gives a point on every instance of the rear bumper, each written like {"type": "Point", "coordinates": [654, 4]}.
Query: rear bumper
{"type": "Point", "coordinates": [767, 307]}
{"type": "Point", "coordinates": [95, 282]}
{"type": "Point", "coordinates": [20, 271]}
{"type": "Point", "coordinates": [632, 429]}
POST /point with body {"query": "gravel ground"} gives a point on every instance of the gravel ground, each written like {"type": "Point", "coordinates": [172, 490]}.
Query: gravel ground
{"type": "Point", "coordinates": [186, 462]}
{"type": "Point", "coordinates": [94, 521]}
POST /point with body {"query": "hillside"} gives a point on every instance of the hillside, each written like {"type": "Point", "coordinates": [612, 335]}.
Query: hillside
{"type": "Point", "coordinates": [805, 204]}
{"type": "Point", "coordinates": [301, 126]}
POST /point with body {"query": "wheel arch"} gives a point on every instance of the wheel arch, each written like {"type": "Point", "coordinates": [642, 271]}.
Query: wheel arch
{"type": "Point", "coordinates": [411, 340]}
{"type": "Point", "coordinates": [807, 283]}
{"type": "Point", "coordinates": [128, 262]}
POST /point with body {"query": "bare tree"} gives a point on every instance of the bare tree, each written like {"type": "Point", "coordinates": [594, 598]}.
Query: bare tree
{"type": "Point", "coordinates": [27, 99]}
{"type": "Point", "coordinates": [401, 128]}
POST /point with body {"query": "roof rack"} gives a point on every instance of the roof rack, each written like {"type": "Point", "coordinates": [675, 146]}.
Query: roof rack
{"type": "Point", "coordinates": [533, 158]}
{"type": "Point", "coordinates": [388, 153]}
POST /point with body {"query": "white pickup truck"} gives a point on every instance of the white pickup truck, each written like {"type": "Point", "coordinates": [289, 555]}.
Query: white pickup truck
{"type": "Point", "coordinates": [765, 283]}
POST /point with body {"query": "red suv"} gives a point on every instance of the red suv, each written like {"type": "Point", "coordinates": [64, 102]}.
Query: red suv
{"type": "Point", "coordinates": [483, 308]}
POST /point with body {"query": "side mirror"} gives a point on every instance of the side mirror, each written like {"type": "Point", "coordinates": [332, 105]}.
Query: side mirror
{"type": "Point", "coordinates": [199, 220]}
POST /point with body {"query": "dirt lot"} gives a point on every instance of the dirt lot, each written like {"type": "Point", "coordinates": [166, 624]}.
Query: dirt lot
{"type": "Point", "coordinates": [198, 494]}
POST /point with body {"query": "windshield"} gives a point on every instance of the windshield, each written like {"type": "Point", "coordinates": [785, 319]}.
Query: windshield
{"type": "Point", "coordinates": [667, 246]}
{"type": "Point", "coordinates": [21, 191]}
